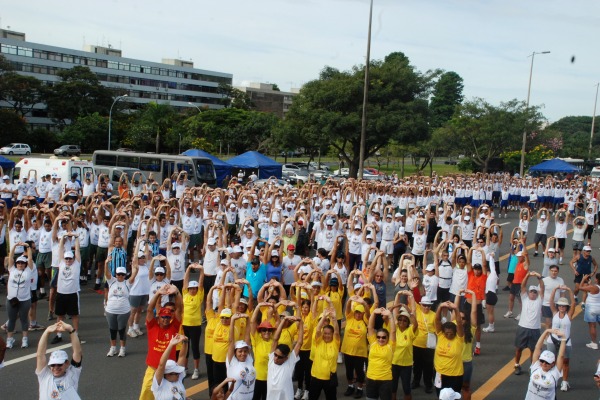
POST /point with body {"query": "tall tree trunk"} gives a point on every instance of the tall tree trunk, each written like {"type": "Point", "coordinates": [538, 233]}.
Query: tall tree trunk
{"type": "Point", "coordinates": [157, 141]}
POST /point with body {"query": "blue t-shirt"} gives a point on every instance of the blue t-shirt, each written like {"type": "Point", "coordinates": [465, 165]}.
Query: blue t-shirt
{"type": "Point", "coordinates": [256, 279]}
{"type": "Point", "coordinates": [273, 272]}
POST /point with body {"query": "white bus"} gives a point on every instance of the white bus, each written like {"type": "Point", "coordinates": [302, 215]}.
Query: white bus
{"type": "Point", "coordinates": [200, 169]}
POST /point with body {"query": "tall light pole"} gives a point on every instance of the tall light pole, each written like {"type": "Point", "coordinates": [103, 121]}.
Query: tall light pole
{"type": "Point", "coordinates": [363, 129]}
{"type": "Point", "coordinates": [193, 105]}
{"type": "Point", "coordinates": [527, 109]}
{"type": "Point", "coordinates": [110, 116]}
{"type": "Point", "coordinates": [593, 123]}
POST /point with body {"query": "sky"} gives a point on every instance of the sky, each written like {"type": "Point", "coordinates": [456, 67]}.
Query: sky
{"type": "Point", "coordinates": [288, 42]}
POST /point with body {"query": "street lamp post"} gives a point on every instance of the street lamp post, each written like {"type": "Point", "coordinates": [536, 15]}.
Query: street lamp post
{"type": "Point", "coordinates": [110, 116]}
{"type": "Point", "coordinates": [521, 168]}
{"type": "Point", "coordinates": [193, 105]}
{"type": "Point", "coordinates": [593, 123]}
{"type": "Point", "coordinates": [363, 129]}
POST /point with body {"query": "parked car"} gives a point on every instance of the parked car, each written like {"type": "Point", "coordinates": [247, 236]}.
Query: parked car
{"type": "Point", "coordinates": [373, 171]}
{"type": "Point", "coordinates": [16, 148]}
{"type": "Point", "coordinates": [450, 162]}
{"type": "Point", "coordinates": [290, 168]}
{"type": "Point", "coordinates": [68, 150]}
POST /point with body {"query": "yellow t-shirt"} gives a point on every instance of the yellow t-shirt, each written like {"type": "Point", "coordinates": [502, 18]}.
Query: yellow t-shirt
{"type": "Point", "coordinates": [467, 354]}
{"type": "Point", "coordinates": [355, 338]}
{"type": "Point", "coordinates": [240, 328]}
{"type": "Point", "coordinates": [261, 349]}
{"type": "Point", "coordinates": [288, 334]}
{"type": "Point", "coordinates": [380, 360]}
{"type": "Point", "coordinates": [221, 342]}
{"type": "Point", "coordinates": [309, 327]}
{"type": "Point", "coordinates": [426, 324]}
{"type": "Point", "coordinates": [326, 363]}
{"type": "Point", "coordinates": [192, 311]}
{"type": "Point", "coordinates": [211, 323]}
{"type": "Point", "coordinates": [448, 355]}
{"type": "Point", "coordinates": [403, 354]}
{"type": "Point", "coordinates": [336, 300]}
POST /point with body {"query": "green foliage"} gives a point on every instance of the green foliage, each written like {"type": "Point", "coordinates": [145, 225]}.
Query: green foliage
{"type": "Point", "coordinates": [79, 93]}
{"type": "Point", "coordinates": [90, 132]}
{"type": "Point", "coordinates": [512, 159]}
{"type": "Point", "coordinates": [234, 98]}
{"type": "Point", "coordinates": [42, 140]}
{"type": "Point", "coordinates": [151, 127]}
{"type": "Point", "coordinates": [575, 135]}
{"type": "Point", "coordinates": [21, 92]}
{"type": "Point", "coordinates": [12, 126]}
{"type": "Point", "coordinates": [328, 110]}
{"type": "Point", "coordinates": [203, 144]}
{"type": "Point", "coordinates": [447, 95]}
{"type": "Point", "coordinates": [466, 165]}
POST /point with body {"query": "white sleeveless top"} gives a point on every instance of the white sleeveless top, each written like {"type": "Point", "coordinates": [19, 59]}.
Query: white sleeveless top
{"type": "Point", "coordinates": [564, 324]}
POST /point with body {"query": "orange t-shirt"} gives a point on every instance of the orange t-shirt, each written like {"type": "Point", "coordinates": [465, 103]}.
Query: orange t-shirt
{"type": "Point", "coordinates": [520, 273]}
{"type": "Point", "coordinates": [477, 284]}
{"type": "Point", "coordinates": [158, 340]}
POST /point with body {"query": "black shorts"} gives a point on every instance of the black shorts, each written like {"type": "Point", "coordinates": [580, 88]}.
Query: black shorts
{"type": "Point", "coordinates": [578, 278]}
{"type": "Point", "coordinates": [491, 298]}
{"type": "Point", "coordinates": [510, 277]}
{"type": "Point", "coordinates": [67, 304]}
{"type": "Point", "coordinates": [515, 289]}
{"type": "Point", "coordinates": [34, 297]}
{"type": "Point", "coordinates": [561, 243]}
{"type": "Point", "coordinates": [540, 238]}
{"type": "Point", "coordinates": [526, 338]}
{"type": "Point", "coordinates": [547, 312]}
{"type": "Point", "coordinates": [480, 316]}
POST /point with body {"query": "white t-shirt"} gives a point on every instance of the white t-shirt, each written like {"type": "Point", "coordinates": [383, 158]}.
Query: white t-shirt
{"type": "Point", "coordinates": [211, 258]}
{"type": "Point", "coordinates": [141, 283]}
{"type": "Point", "coordinates": [155, 287]}
{"type": "Point", "coordinates": [63, 388]}
{"type": "Point", "coordinates": [169, 390]}
{"type": "Point", "coordinates": [45, 241]}
{"type": "Point", "coordinates": [177, 263]}
{"type": "Point", "coordinates": [431, 285]}
{"type": "Point", "coordinates": [245, 378]}
{"type": "Point", "coordinates": [542, 385]}
{"type": "Point", "coordinates": [288, 268]}
{"type": "Point", "coordinates": [19, 283]}
{"type": "Point", "coordinates": [549, 285]}
{"type": "Point", "coordinates": [531, 312]}
{"type": "Point", "coordinates": [459, 280]}
{"type": "Point", "coordinates": [118, 296]}
{"type": "Point", "coordinates": [279, 378]}
{"type": "Point", "coordinates": [68, 277]}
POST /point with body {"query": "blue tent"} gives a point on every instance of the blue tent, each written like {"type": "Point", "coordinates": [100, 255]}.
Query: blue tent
{"type": "Point", "coordinates": [222, 169]}
{"type": "Point", "coordinates": [556, 165]}
{"type": "Point", "coordinates": [6, 164]}
{"type": "Point", "coordinates": [253, 160]}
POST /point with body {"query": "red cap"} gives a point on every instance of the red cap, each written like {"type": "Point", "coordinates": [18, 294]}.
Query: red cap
{"type": "Point", "coordinates": [291, 247]}
{"type": "Point", "coordinates": [300, 222]}
{"type": "Point", "coordinates": [265, 325]}
{"type": "Point", "coordinates": [165, 311]}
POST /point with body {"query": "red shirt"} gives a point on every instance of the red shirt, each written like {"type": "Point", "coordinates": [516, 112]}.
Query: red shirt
{"type": "Point", "coordinates": [158, 340]}
{"type": "Point", "coordinates": [520, 273]}
{"type": "Point", "coordinates": [477, 284]}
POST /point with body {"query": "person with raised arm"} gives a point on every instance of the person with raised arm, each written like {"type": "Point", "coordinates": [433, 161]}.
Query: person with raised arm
{"type": "Point", "coordinates": [167, 383]}
{"type": "Point", "coordinates": [282, 362]}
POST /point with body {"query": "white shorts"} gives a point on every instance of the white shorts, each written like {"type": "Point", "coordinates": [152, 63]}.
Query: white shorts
{"type": "Point", "coordinates": [387, 246]}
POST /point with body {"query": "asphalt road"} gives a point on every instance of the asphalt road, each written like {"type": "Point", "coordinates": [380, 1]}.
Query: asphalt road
{"type": "Point", "coordinates": [120, 378]}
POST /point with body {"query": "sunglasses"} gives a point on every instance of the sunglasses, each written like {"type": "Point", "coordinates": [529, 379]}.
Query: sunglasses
{"type": "Point", "coordinates": [264, 330]}
{"type": "Point", "coordinates": [381, 337]}
{"type": "Point", "coordinates": [56, 365]}
{"type": "Point", "coordinates": [159, 274]}
{"type": "Point", "coordinates": [544, 362]}
{"type": "Point", "coordinates": [68, 258]}
{"type": "Point", "coordinates": [121, 274]}
{"type": "Point", "coordinates": [225, 317]}
{"type": "Point", "coordinates": [166, 317]}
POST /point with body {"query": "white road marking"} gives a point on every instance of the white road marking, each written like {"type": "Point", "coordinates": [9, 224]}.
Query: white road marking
{"type": "Point", "coordinates": [504, 223]}
{"type": "Point", "coordinates": [34, 355]}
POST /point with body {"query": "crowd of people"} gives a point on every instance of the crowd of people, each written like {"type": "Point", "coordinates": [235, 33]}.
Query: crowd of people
{"type": "Point", "coordinates": [288, 284]}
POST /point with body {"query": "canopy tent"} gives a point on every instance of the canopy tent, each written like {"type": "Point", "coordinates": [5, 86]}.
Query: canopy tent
{"type": "Point", "coordinates": [265, 166]}
{"type": "Point", "coordinates": [7, 165]}
{"type": "Point", "coordinates": [222, 169]}
{"type": "Point", "coordinates": [556, 165]}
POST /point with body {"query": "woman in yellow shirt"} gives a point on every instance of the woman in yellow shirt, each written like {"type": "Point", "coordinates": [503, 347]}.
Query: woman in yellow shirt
{"type": "Point", "coordinates": [407, 328]}
{"type": "Point", "coordinates": [448, 352]}
{"type": "Point", "coordinates": [211, 323]}
{"type": "Point", "coordinates": [304, 364]}
{"type": "Point", "coordinates": [261, 337]}
{"type": "Point", "coordinates": [381, 353]}
{"type": "Point", "coordinates": [326, 344]}
{"type": "Point", "coordinates": [354, 344]}
{"type": "Point", "coordinates": [193, 295]}
{"type": "Point", "coordinates": [469, 322]}
{"type": "Point", "coordinates": [422, 355]}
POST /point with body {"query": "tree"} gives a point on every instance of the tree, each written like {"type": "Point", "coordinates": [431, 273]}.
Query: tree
{"type": "Point", "coordinates": [512, 159]}
{"type": "Point", "coordinates": [12, 126]}
{"type": "Point", "coordinates": [90, 132]}
{"type": "Point", "coordinates": [21, 92]}
{"type": "Point", "coordinates": [447, 95]}
{"type": "Point", "coordinates": [484, 131]}
{"type": "Point", "coordinates": [234, 98]}
{"type": "Point", "coordinates": [153, 124]}
{"type": "Point", "coordinates": [78, 93]}
{"type": "Point", "coordinates": [328, 110]}
{"type": "Point", "coordinates": [574, 132]}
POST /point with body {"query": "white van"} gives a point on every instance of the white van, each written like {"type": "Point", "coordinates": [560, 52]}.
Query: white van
{"type": "Point", "coordinates": [595, 172]}
{"type": "Point", "coordinates": [64, 168]}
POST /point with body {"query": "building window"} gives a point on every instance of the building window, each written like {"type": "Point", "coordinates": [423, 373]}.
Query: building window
{"type": "Point", "coordinates": [113, 65]}
{"type": "Point", "coordinates": [25, 51]}
{"type": "Point", "coordinates": [8, 49]}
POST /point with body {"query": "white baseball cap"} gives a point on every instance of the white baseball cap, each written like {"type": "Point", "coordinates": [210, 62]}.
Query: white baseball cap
{"type": "Point", "coordinates": [430, 267]}
{"type": "Point", "coordinates": [173, 368]}
{"type": "Point", "coordinates": [58, 357]}
{"type": "Point", "coordinates": [449, 394]}
{"type": "Point", "coordinates": [121, 270]}
{"type": "Point", "coordinates": [211, 242]}
{"type": "Point", "coordinates": [240, 344]}
{"type": "Point", "coordinates": [159, 270]}
{"type": "Point", "coordinates": [193, 284]}
{"type": "Point", "coordinates": [68, 254]}
{"type": "Point", "coordinates": [587, 248]}
{"type": "Point", "coordinates": [547, 356]}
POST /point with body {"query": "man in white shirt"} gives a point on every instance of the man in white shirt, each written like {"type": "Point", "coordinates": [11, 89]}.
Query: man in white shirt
{"type": "Point", "coordinates": [528, 331]}
{"type": "Point", "coordinates": [550, 282]}
{"type": "Point", "coordinates": [282, 362]}
{"type": "Point", "coordinates": [7, 191]}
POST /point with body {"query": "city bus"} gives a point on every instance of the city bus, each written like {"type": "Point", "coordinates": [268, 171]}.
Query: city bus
{"type": "Point", "coordinates": [200, 169]}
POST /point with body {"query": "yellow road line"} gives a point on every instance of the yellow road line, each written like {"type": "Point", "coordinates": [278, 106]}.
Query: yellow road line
{"type": "Point", "coordinates": [202, 386]}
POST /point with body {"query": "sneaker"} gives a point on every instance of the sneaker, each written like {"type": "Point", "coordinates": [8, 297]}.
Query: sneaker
{"type": "Point", "coordinates": [504, 215]}
{"type": "Point", "coordinates": [131, 333]}
{"type": "Point", "coordinates": [25, 342]}
{"type": "Point", "coordinates": [518, 317]}
{"type": "Point", "coordinates": [122, 352]}
{"type": "Point", "coordinates": [112, 352]}
{"type": "Point", "coordinates": [592, 345]}
{"type": "Point", "coordinates": [560, 261]}
{"type": "Point", "coordinates": [10, 342]}
{"type": "Point", "coordinates": [4, 328]}
{"type": "Point", "coordinates": [138, 332]}
{"type": "Point", "coordinates": [305, 395]}
{"type": "Point", "coordinates": [489, 329]}
{"type": "Point", "coordinates": [340, 358]}
{"type": "Point", "coordinates": [477, 351]}
{"type": "Point", "coordinates": [358, 394]}
{"type": "Point", "coordinates": [36, 327]}
{"type": "Point", "coordinates": [517, 370]}
{"type": "Point", "coordinates": [509, 314]}
{"type": "Point", "coordinates": [349, 391]}
{"type": "Point", "coordinates": [483, 304]}
{"type": "Point", "coordinates": [50, 315]}
{"type": "Point", "coordinates": [564, 386]}
{"type": "Point", "coordinates": [535, 254]}
{"type": "Point", "coordinates": [195, 375]}
{"type": "Point", "coordinates": [42, 295]}
{"type": "Point", "coordinates": [582, 306]}
{"type": "Point", "coordinates": [83, 280]}
{"type": "Point", "coordinates": [57, 339]}
{"type": "Point", "coordinates": [299, 392]}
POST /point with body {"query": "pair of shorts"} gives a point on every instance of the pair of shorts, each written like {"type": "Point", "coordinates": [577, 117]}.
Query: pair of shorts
{"type": "Point", "coordinates": [34, 297]}
{"type": "Point", "coordinates": [540, 238]}
{"type": "Point", "coordinates": [561, 243]}
{"type": "Point", "coordinates": [138, 300]}
{"type": "Point", "coordinates": [591, 314]}
{"type": "Point", "coordinates": [195, 240]}
{"type": "Point", "coordinates": [547, 312]}
{"type": "Point", "coordinates": [578, 245]}
{"type": "Point", "coordinates": [515, 289]}
{"type": "Point", "coordinates": [551, 347]}
{"type": "Point", "coordinates": [387, 246]}
{"type": "Point", "coordinates": [491, 299]}
{"type": "Point", "coordinates": [101, 254]}
{"type": "Point", "coordinates": [480, 316]}
{"type": "Point", "coordinates": [54, 277]}
{"type": "Point", "coordinates": [67, 304]}
{"type": "Point", "coordinates": [510, 277]}
{"type": "Point", "coordinates": [578, 278]}
{"type": "Point", "coordinates": [84, 253]}
{"type": "Point", "coordinates": [526, 338]}
{"type": "Point", "coordinates": [44, 260]}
